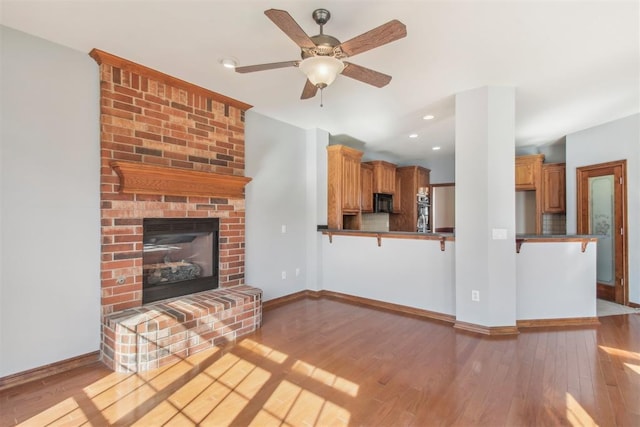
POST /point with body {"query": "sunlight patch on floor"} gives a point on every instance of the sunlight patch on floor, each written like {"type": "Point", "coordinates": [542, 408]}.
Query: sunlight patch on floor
{"type": "Point", "coordinates": [279, 402]}
{"type": "Point", "coordinates": [66, 412]}
{"type": "Point", "coordinates": [293, 405]}
{"type": "Point", "coordinates": [263, 351]}
{"type": "Point", "coordinates": [634, 368]}
{"type": "Point", "coordinates": [576, 414]}
{"type": "Point", "coordinates": [215, 396]}
{"type": "Point", "coordinates": [181, 395]}
{"type": "Point", "coordinates": [621, 353]}
{"type": "Point", "coordinates": [326, 378]}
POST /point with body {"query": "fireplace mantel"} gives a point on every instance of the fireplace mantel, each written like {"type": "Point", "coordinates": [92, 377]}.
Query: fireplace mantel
{"type": "Point", "coordinates": [148, 179]}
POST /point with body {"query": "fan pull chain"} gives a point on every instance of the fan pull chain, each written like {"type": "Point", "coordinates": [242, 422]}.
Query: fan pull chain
{"type": "Point", "coordinates": [321, 90]}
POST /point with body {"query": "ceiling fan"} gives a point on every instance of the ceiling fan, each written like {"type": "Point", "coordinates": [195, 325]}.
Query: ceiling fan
{"type": "Point", "coordinates": [323, 56]}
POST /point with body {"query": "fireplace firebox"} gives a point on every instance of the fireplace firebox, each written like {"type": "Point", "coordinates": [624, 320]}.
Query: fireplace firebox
{"type": "Point", "coordinates": [179, 257]}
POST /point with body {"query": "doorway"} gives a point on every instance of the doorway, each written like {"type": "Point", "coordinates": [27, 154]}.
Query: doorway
{"type": "Point", "coordinates": [443, 204]}
{"type": "Point", "coordinates": [601, 209]}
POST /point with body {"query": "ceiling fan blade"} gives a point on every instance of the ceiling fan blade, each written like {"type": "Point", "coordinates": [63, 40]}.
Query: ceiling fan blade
{"type": "Point", "coordinates": [385, 33]}
{"type": "Point", "coordinates": [270, 66]}
{"type": "Point", "coordinates": [365, 75]}
{"type": "Point", "coordinates": [286, 23]}
{"type": "Point", "coordinates": [309, 90]}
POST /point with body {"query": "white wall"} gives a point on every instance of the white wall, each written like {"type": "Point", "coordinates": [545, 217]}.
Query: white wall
{"type": "Point", "coordinates": [612, 141]}
{"type": "Point", "coordinates": [443, 168]}
{"type": "Point", "coordinates": [414, 273]}
{"type": "Point", "coordinates": [555, 291]}
{"type": "Point", "coordinates": [317, 141]}
{"type": "Point", "coordinates": [525, 212]}
{"type": "Point", "coordinates": [50, 221]}
{"type": "Point", "coordinates": [485, 201]}
{"type": "Point", "coordinates": [281, 160]}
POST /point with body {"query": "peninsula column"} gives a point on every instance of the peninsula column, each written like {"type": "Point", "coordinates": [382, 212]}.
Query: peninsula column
{"type": "Point", "coordinates": [485, 210]}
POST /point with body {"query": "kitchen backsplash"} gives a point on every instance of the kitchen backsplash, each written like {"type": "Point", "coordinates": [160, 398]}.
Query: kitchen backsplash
{"type": "Point", "coordinates": [375, 222]}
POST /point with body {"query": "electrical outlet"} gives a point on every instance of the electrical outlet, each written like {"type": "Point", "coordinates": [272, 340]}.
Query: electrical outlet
{"type": "Point", "coordinates": [475, 295]}
{"type": "Point", "coordinates": [284, 229]}
{"type": "Point", "coordinates": [297, 272]}
{"type": "Point", "coordinates": [284, 275]}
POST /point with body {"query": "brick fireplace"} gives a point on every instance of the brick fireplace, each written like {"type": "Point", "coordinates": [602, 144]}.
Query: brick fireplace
{"type": "Point", "coordinates": [169, 149]}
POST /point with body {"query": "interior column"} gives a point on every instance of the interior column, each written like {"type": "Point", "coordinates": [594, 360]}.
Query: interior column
{"type": "Point", "coordinates": [485, 210]}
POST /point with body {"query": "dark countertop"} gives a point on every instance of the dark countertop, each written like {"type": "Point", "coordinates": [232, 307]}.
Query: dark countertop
{"type": "Point", "coordinates": [450, 235]}
{"type": "Point", "coordinates": [404, 233]}
{"type": "Point", "coordinates": [557, 236]}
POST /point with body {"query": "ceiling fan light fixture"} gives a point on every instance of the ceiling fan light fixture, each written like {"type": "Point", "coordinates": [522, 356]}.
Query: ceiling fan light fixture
{"type": "Point", "coordinates": [321, 70]}
{"type": "Point", "coordinates": [228, 63]}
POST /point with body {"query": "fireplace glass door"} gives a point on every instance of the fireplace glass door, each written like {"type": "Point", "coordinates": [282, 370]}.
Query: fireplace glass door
{"type": "Point", "coordinates": [179, 257]}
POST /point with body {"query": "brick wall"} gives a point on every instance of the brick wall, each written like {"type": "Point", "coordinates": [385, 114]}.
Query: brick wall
{"type": "Point", "coordinates": [158, 334]}
{"type": "Point", "coordinates": [153, 118]}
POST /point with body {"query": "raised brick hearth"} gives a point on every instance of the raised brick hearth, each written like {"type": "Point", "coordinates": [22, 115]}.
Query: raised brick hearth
{"type": "Point", "coordinates": [151, 119]}
{"type": "Point", "coordinates": [158, 334]}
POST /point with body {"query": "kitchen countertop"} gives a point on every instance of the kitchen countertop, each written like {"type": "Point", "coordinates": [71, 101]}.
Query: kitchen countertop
{"type": "Point", "coordinates": [443, 237]}
{"type": "Point", "coordinates": [379, 235]}
{"type": "Point", "coordinates": [557, 236]}
{"type": "Point", "coordinates": [384, 233]}
{"type": "Point", "coordinates": [452, 235]}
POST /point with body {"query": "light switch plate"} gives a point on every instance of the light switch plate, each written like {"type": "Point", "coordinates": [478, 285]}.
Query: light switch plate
{"type": "Point", "coordinates": [499, 234]}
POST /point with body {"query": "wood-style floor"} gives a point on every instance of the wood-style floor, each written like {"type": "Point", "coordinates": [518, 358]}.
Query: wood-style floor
{"type": "Point", "coordinates": [324, 362]}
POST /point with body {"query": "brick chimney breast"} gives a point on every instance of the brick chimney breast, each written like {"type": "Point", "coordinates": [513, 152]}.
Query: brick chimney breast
{"type": "Point", "coordinates": [150, 118]}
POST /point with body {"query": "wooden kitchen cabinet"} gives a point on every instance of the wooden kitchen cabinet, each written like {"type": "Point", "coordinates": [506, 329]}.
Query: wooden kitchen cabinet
{"type": "Point", "coordinates": [343, 190]}
{"type": "Point", "coordinates": [528, 171]}
{"type": "Point", "coordinates": [411, 178]}
{"type": "Point", "coordinates": [529, 178]}
{"type": "Point", "coordinates": [384, 177]}
{"type": "Point", "coordinates": [397, 197]}
{"type": "Point", "coordinates": [553, 188]}
{"type": "Point", "coordinates": [366, 185]}
{"type": "Point", "coordinates": [351, 184]}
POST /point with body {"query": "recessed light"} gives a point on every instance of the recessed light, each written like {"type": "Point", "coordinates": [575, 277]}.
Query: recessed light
{"type": "Point", "coordinates": [413, 135]}
{"type": "Point", "coordinates": [436, 148]}
{"type": "Point", "coordinates": [228, 63]}
{"type": "Point", "coordinates": [428, 117]}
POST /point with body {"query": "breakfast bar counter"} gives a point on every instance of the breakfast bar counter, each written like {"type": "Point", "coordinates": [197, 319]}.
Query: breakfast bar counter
{"type": "Point", "coordinates": [380, 235]}
{"type": "Point", "coordinates": [555, 274]}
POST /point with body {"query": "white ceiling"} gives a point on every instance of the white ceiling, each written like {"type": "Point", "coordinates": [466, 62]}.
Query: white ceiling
{"type": "Point", "coordinates": [574, 64]}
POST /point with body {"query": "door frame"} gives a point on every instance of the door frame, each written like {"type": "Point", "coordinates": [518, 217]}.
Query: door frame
{"type": "Point", "coordinates": [621, 289]}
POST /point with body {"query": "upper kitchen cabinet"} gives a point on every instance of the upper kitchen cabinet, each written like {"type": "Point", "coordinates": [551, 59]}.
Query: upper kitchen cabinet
{"type": "Point", "coordinates": [529, 178]}
{"type": "Point", "coordinates": [384, 177]}
{"type": "Point", "coordinates": [344, 191]}
{"type": "Point", "coordinates": [411, 178]}
{"type": "Point", "coordinates": [366, 184]}
{"type": "Point", "coordinates": [553, 188]}
{"type": "Point", "coordinates": [528, 171]}
{"type": "Point", "coordinates": [397, 197]}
